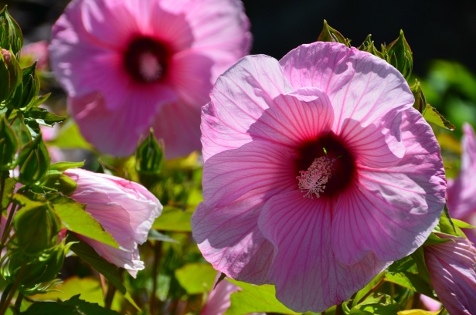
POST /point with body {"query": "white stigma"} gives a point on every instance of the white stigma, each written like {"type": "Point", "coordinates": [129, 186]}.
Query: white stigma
{"type": "Point", "coordinates": [149, 67]}
{"type": "Point", "coordinates": [314, 180]}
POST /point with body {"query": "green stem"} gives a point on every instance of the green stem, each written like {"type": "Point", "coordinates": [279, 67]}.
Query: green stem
{"type": "Point", "coordinates": [6, 231]}
{"type": "Point", "coordinates": [5, 303]}
{"type": "Point", "coordinates": [2, 190]}
{"type": "Point", "coordinates": [18, 302]}
{"type": "Point", "coordinates": [111, 290]}
{"type": "Point", "coordinates": [153, 301]}
{"type": "Point", "coordinates": [339, 310]}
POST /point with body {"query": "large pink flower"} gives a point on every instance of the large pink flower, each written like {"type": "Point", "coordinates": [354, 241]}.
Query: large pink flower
{"type": "Point", "coordinates": [125, 209]}
{"type": "Point", "coordinates": [318, 173]}
{"type": "Point", "coordinates": [128, 65]}
{"type": "Point", "coordinates": [461, 192]}
{"type": "Point", "coordinates": [453, 274]}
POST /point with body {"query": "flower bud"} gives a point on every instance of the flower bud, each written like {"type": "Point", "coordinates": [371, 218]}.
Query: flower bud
{"type": "Point", "coordinates": [149, 158]}
{"type": "Point", "coordinates": [11, 36]}
{"type": "Point", "coordinates": [27, 90]}
{"type": "Point", "coordinates": [34, 161]}
{"type": "Point", "coordinates": [36, 227]}
{"type": "Point", "coordinates": [400, 55]}
{"type": "Point", "coordinates": [8, 145]}
{"type": "Point", "coordinates": [10, 74]}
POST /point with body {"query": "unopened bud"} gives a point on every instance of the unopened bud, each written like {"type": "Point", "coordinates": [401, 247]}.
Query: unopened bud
{"type": "Point", "coordinates": [149, 159]}
{"type": "Point", "coordinates": [329, 34]}
{"type": "Point", "coordinates": [400, 55]}
{"type": "Point", "coordinates": [34, 161]}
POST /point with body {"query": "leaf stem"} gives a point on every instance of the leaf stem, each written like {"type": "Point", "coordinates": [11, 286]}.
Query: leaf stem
{"type": "Point", "coordinates": [153, 301]}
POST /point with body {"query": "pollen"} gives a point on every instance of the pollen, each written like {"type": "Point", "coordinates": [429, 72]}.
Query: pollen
{"type": "Point", "coordinates": [150, 67]}
{"type": "Point", "coordinates": [313, 181]}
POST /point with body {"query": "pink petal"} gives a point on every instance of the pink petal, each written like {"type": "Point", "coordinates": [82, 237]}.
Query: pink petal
{"type": "Point", "coordinates": [239, 251]}
{"type": "Point", "coordinates": [452, 274]}
{"type": "Point", "coordinates": [191, 77]}
{"type": "Point", "coordinates": [100, 126]}
{"type": "Point", "coordinates": [360, 86]}
{"type": "Point", "coordinates": [305, 271]}
{"type": "Point", "coordinates": [110, 22]}
{"type": "Point", "coordinates": [238, 100]}
{"type": "Point", "coordinates": [181, 137]}
{"type": "Point", "coordinates": [462, 191]}
{"type": "Point", "coordinates": [127, 259]}
{"type": "Point", "coordinates": [218, 300]}
{"type": "Point", "coordinates": [294, 118]}
{"type": "Point", "coordinates": [391, 211]}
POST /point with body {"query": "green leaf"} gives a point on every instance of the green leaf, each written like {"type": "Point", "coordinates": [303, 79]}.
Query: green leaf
{"type": "Point", "coordinates": [410, 281]}
{"type": "Point", "coordinates": [157, 236]}
{"type": "Point", "coordinates": [432, 115]}
{"type": "Point", "coordinates": [253, 299]}
{"type": "Point", "coordinates": [378, 304]}
{"type": "Point", "coordinates": [75, 219]}
{"type": "Point", "coordinates": [89, 289]}
{"type": "Point", "coordinates": [43, 116]}
{"type": "Point", "coordinates": [69, 137]}
{"type": "Point", "coordinates": [108, 270]}
{"type": "Point", "coordinates": [462, 224]}
{"type": "Point", "coordinates": [73, 306]}
{"type": "Point", "coordinates": [8, 191]}
{"type": "Point", "coordinates": [173, 219]}
{"type": "Point", "coordinates": [63, 166]}
{"type": "Point", "coordinates": [369, 287]}
{"type": "Point", "coordinates": [196, 278]}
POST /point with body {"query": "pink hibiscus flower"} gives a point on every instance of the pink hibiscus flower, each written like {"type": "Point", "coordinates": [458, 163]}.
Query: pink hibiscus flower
{"type": "Point", "coordinates": [318, 173]}
{"type": "Point", "coordinates": [128, 65]}
{"type": "Point", "coordinates": [125, 209]}
{"type": "Point", "coordinates": [453, 274]}
{"type": "Point", "coordinates": [461, 192]}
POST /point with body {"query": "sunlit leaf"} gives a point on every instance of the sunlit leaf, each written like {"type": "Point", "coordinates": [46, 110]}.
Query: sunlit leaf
{"type": "Point", "coordinates": [417, 312]}
{"type": "Point", "coordinates": [73, 306]}
{"type": "Point", "coordinates": [253, 299]}
{"type": "Point", "coordinates": [173, 219]}
{"type": "Point", "coordinates": [69, 137]}
{"type": "Point", "coordinates": [196, 278]}
{"type": "Point", "coordinates": [369, 287]}
{"type": "Point", "coordinates": [76, 219]}
{"type": "Point", "coordinates": [432, 115]}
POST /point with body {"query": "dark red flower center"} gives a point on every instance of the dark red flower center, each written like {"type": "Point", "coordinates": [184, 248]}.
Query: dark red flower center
{"type": "Point", "coordinates": [146, 59]}
{"type": "Point", "coordinates": [325, 167]}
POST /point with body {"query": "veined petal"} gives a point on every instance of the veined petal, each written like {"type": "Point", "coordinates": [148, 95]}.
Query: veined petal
{"type": "Point", "coordinates": [294, 118]}
{"type": "Point", "coordinates": [392, 211]}
{"type": "Point", "coordinates": [452, 273]}
{"type": "Point", "coordinates": [231, 241]}
{"type": "Point", "coordinates": [238, 99]}
{"type": "Point", "coordinates": [259, 167]}
{"type": "Point", "coordinates": [360, 86]}
{"type": "Point", "coordinates": [461, 192]}
{"type": "Point", "coordinates": [100, 126]}
{"type": "Point", "coordinates": [306, 274]}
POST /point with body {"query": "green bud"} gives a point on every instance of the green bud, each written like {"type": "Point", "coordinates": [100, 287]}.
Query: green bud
{"type": "Point", "coordinates": [36, 228]}
{"type": "Point", "coordinates": [34, 161]}
{"type": "Point", "coordinates": [60, 182]}
{"type": "Point", "coordinates": [37, 269]}
{"type": "Point", "coordinates": [27, 90]}
{"type": "Point", "coordinates": [369, 46]}
{"type": "Point", "coordinates": [149, 158]}
{"type": "Point", "coordinates": [329, 34]}
{"type": "Point", "coordinates": [11, 36]}
{"type": "Point", "coordinates": [400, 55]}
{"type": "Point", "coordinates": [420, 100]}
{"type": "Point", "coordinates": [8, 145]}
{"type": "Point", "coordinates": [10, 74]}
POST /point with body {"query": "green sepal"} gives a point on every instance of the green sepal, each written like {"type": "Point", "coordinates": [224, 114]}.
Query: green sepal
{"type": "Point", "coordinates": [8, 145]}
{"type": "Point", "coordinates": [11, 36]}
{"type": "Point", "coordinates": [36, 226]}
{"type": "Point", "coordinates": [369, 46]}
{"type": "Point", "coordinates": [329, 34]}
{"type": "Point", "coordinates": [400, 55]}
{"type": "Point", "coordinates": [10, 74]}
{"type": "Point", "coordinates": [26, 93]}
{"type": "Point", "coordinates": [34, 161]}
{"type": "Point", "coordinates": [63, 166]}
{"type": "Point", "coordinates": [420, 99]}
